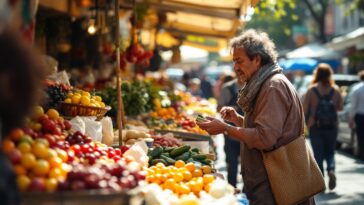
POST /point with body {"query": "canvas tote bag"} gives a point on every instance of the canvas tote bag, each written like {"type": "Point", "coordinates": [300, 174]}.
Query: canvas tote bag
{"type": "Point", "coordinates": [293, 173]}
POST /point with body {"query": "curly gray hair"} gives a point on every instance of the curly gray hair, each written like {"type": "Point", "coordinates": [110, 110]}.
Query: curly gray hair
{"type": "Point", "coordinates": [256, 43]}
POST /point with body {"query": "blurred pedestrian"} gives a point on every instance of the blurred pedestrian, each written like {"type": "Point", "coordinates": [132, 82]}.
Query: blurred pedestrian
{"type": "Point", "coordinates": [272, 112]}
{"type": "Point", "coordinates": [206, 87]}
{"type": "Point", "coordinates": [356, 115]}
{"type": "Point", "coordinates": [228, 97]}
{"type": "Point", "coordinates": [194, 87]}
{"type": "Point", "coordinates": [321, 104]}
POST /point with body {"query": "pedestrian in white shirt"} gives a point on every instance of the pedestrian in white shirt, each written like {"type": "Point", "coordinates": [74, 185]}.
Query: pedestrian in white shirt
{"type": "Point", "coordinates": [356, 115]}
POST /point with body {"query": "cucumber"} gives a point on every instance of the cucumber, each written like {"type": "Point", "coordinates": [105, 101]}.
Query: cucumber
{"type": "Point", "coordinates": [183, 157]}
{"type": "Point", "coordinates": [180, 150]}
{"type": "Point", "coordinates": [168, 149]}
{"type": "Point", "coordinates": [206, 162]}
{"type": "Point", "coordinates": [195, 150]}
{"type": "Point", "coordinates": [169, 160]}
{"type": "Point", "coordinates": [199, 157]}
{"type": "Point", "coordinates": [156, 152]}
{"type": "Point", "coordinates": [165, 154]}
{"type": "Point", "coordinates": [155, 161]}
{"type": "Point", "coordinates": [189, 160]}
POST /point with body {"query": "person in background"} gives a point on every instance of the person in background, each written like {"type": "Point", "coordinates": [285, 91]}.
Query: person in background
{"type": "Point", "coordinates": [356, 114]}
{"type": "Point", "coordinates": [321, 104]}
{"type": "Point", "coordinates": [272, 112]}
{"type": "Point", "coordinates": [206, 87]}
{"type": "Point", "coordinates": [228, 97]}
{"type": "Point", "coordinates": [194, 87]}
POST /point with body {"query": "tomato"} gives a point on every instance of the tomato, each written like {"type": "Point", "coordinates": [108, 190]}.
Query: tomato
{"type": "Point", "coordinates": [23, 182]}
{"type": "Point", "coordinates": [41, 168]}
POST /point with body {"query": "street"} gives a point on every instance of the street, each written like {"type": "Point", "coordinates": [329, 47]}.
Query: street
{"type": "Point", "coordinates": [349, 174]}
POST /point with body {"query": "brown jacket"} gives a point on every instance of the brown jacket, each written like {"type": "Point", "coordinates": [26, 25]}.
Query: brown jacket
{"type": "Point", "coordinates": [277, 119]}
{"type": "Point", "coordinates": [311, 101]}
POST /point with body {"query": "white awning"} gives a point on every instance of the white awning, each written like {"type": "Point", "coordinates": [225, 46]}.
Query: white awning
{"type": "Point", "coordinates": [313, 50]}
{"type": "Point", "coordinates": [352, 39]}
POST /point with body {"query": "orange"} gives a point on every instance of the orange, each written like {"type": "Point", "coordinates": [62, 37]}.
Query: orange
{"type": "Point", "coordinates": [197, 173]}
{"type": "Point", "coordinates": [179, 163]}
{"type": "Point", "coordinates": [76, 99]}
{"type": "Point", "coordinates": [98, 98]}
{"type": "Point", "coordinates": [178, 177]}
{"type": "Point", "coordinates": [55, 173]}
{"type": "Point", "coordinates": [206, 169]}
{"type": "Point", "coordinates": [23, 182]}
{"type": "Point", "coordinates": [8, 146]}
{"type": "Point", "coordinates": [207, 187]}
{"type": "Point", "coordinates": [190, 166]}
{"type": "Point", "coordinates": [51, 184]}
{"type": "Point", "coordinates": [169, 184]}
{"type": "Point", "coordinates": [28, 160]}
{"type": "Point", "coordinates": [208, 178]}
{"type": "Point", "coordinates": [160, 165]}
{"type": "Point", "coordinates": [68, 100]}
{"type": "Point", "coordinates": [184, 189]}
{"type": "Point", "coordinates": [53, 114]}
{"type": "Point", "coordinates": [187, 176]}
{"type": "Point", "coordinates": [20, 170]}
{"type": "Point", "coordinates": [40, 150]}
{"type": "Point", "coordinates": [16, 134]}
{"type": "Point", "coordinates": [55, 162]}
{"type": "Point", "coordinates": [41, 168]}
{"type": "Point", "coordinates": [62, 154]}
{"type": "Point", "coordinates": [51, 153]}
{"type": "Point", "coordinates": [85, 100]}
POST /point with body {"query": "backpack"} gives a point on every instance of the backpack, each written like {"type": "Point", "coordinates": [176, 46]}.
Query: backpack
{"type": "Point", "coordinates": [326, 115]}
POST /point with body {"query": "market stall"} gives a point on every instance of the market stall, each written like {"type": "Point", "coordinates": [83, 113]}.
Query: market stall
{"type": "Point", "coordinates": [132, 142]}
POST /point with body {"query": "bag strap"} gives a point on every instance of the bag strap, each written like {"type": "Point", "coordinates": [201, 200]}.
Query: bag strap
{"type": "Point", "coordinates": [317, 92]}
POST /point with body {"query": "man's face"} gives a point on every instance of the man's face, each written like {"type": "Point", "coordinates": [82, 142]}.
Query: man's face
{"type": "Point", "coordinates": [243, 66]}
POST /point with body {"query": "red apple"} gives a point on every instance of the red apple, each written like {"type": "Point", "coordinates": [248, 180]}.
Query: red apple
{"type": "Point", "coordinates": [15, 156]}
{"type": "Point", "coordinates": [37, 184]}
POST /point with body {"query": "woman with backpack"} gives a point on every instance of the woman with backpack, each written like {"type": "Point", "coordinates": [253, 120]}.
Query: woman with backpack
{"type": "Point", "coordinates": [321, 104]}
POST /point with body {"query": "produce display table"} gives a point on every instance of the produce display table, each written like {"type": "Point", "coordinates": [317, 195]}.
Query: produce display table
{"type": "Point", "coordinates": [89, 197]}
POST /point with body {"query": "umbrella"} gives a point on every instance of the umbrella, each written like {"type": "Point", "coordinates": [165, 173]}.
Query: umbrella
{"type": "Point", "coordinates": [299, 64]}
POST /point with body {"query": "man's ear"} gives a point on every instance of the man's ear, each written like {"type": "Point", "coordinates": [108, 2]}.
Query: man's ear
{"type": "Point", "coordinates": [257, 60]}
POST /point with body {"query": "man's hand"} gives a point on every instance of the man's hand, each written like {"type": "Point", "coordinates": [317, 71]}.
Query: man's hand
{"type": "Point", "coordinates": [229, 114]}
{"type": "Point", "coordinates": [212, 125]}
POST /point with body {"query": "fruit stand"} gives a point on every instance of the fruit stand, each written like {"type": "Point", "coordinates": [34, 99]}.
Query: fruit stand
{"type": "Point", "coordinates": [154, 152]}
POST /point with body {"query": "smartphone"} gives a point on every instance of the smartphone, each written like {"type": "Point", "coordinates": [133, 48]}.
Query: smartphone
{"type": "Point", "coordinates": [200, 118]}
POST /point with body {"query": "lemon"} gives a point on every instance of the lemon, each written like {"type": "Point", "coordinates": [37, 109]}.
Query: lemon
{"type": "Point", "coordinates": [53, 114]}
{"type": "Point", "coordinates": [98, 98]}
{"type": "Point", "coordinates": [85, 100]}
{"type": "Point", "coordinates": [68, 100]}
{"type": "Point", "coordinates": [76, 99]}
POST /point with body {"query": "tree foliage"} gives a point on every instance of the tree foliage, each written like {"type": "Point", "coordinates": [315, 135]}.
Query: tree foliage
{"type": "Point", "coordinates": [277, 19]}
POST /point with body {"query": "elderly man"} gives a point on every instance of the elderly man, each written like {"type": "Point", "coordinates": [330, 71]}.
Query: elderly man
{"type": "Point", "coordinates": [273, 112]}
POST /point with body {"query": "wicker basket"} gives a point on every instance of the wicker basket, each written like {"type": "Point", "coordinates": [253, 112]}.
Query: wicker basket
{"type": "Point", "coordinates": [72, 110]}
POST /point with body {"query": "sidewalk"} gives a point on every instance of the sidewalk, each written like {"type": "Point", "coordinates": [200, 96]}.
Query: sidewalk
{"type": "Point", "coordinates": [349, 174]}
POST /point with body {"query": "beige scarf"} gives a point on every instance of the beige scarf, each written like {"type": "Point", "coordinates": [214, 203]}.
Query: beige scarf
{"type": "Point", "coordinates": [248, 94]}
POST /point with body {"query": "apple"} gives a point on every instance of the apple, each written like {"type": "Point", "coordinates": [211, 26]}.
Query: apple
{"type": "Point", "coordinates": [78, 185]}
{"type": "Point", "coordinates": [51, 139]}
{"type": "Point", "coordinates": [92, 181]}
{"type": "Point", "coordinates": [123, 149]}
{"type": "Point", "coordinates": [37, 184]}
{"type": "Point", "coordinates": [67, 125]}
{"type": "Point", "coordinates": [15, 156]}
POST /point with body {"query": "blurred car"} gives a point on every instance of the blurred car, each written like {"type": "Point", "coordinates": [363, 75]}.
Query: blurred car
{"type": "Point", "coordinates": [347, 135]}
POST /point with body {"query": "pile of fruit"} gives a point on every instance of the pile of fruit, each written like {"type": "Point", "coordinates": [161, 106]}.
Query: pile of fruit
{"type": "Point", "coordinates": [55, 93]}
{"type": "Point", "coordinates": [48, 157]}
{"type": "Point", "coordinates": [80, 97]}
{"type": "Point", "coordinates": [169, 155]}
{"type": "Point", "coordinates": [181, 178]}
